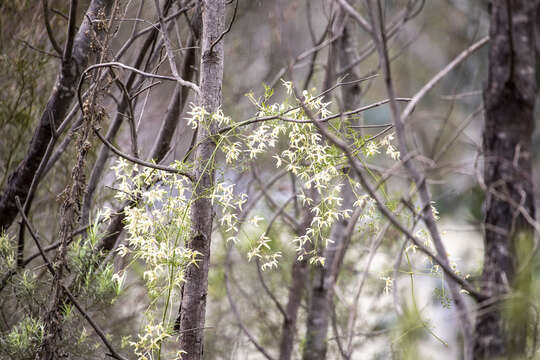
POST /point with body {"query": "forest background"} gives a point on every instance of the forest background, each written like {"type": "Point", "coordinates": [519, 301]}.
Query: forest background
{"type": "Point", "coordinates": [315, 179]}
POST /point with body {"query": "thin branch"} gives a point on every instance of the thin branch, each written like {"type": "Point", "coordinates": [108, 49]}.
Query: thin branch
{"type": "Point", "coordinates": [220, 37]}
{"type": "Point", "coordinates": [131, 118]}
{"type": "Point", "coordinates": [147, 87]}
{"type": "Point", "coordinates": [170, 54]}
{"type": "Point", "coordinates": [142, 162]}
{"type": "Point", "coordinates": [257, 262]}
{"type": "Point", "coordinates": [431, 83]}
{"type": "Point", "coordinates": [356, 16]}
{"type": "Point", "coordinates": [321, 120]}
{"type": "Point", "coordinates": [123, 66]}
{"type": "Point", "coordinates": [30, 46]}
{"type": "Point", "coordinates": [68, 49]}
{"type": "Point", "coordinates": [236, 313]}
{"type": "Point", "coordinates": [50, 33]}
{"type": "Point", "coordinates": [156, 26]}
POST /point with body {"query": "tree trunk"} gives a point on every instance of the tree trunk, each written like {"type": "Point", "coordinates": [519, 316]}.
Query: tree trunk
{"type": "Point", "coordinates": [325, 277]}
{"type": "Point", "coordinates": [322, 291]}
{"type": "Point", "coordinates": [296, 290]}
{"type": "Point", "coordinates": [299, 277]}
{"type": "Point", "coordinates": [509, 102]}
{"type": "Point", "coordinates": [193, 305]}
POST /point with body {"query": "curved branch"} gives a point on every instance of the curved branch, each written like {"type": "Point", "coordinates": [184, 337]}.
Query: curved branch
{"type": "Point", "coordinates": [142, 162]}
{"type": "Point", "coordinates": [50, 34]}
{"type": "Point", "coordinates": [220, 37]}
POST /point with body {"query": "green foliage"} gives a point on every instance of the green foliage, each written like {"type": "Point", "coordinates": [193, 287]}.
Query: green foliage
{"type": "Point", "coordinates": [96, 280]}
{"type": "Point", "coordinates": [97, 283]}
{"type": "Point", "coordinates": [8, 257]}
{"type": "Point", "coordinates": [22, 341]}
{"type": "Point", "coordinates": [20, 102]}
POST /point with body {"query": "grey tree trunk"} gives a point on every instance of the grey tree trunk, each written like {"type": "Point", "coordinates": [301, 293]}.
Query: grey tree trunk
{"type": "Point", "coordinates": [193, 305]}
{"type": "Point", "coordinates": [299, 276]}
{"type": "Point", "coordinates": [56, 109]}
{"type": "Point", "coordinates": [322, 291]}
{"type": "Point", "coordinates": [509, 103]}
{"type": "Point", "coordinates": [320, 308]}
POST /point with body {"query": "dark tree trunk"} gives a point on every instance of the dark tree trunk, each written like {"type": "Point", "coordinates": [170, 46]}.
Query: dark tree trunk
{"type": "Point", "coordinates": [299, 277]}
{"type": "Point", "coordinates": [509, 103]}
{"type": "Point", "coordinates": [296, 291]}
{"type": "Point", "coordinates": [322, 291]}
{"type": "Point", "coordinates": [193, 306]}
{"type": "Point", "coordinates": [56, 109]}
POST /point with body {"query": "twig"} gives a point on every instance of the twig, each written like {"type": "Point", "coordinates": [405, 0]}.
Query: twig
{"type": "Point", "coordinates": [431, 83]}
{"type": "Point", "coordinates": [50, 34]}
{"type": "Point", "coordinates": [142, 162]}
{"type": "Point", "coordinates": [321, 120]}
{"type": "Point", "coordinates": [257, 262]}
{"type": "Point", "coordinates": [356, 16]}
{"type": "Point", "coordinates": [235, 310]}
{"type": "Point", "coordinates": [26, 43]}
{"type": "Point", "coordinates": [220, 37]}
{"type": "Point", "coordinates": [147, 87]}
{"type": "Point", "coordinates": [131, 118]}
{"type": "Point", "coordinates": [170, 54]}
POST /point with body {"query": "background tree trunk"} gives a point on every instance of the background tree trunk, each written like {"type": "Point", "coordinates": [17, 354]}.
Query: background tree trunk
{"type": "Point", "coordinates": [509, 103]}
{"type": "Point", "coordinates": [320, 307]}
{"type": "Point", "coordinates": [57, 107]}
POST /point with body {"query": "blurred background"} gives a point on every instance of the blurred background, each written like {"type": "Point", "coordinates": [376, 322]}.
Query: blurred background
{"type": "Point", "coordinates": [269, 41]}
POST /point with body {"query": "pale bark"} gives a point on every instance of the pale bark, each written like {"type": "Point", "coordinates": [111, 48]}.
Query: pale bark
{"type": "Point", "coordinates": [193, 303]}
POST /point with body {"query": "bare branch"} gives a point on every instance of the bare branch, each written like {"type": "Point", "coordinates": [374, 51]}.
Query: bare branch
{"type": "Point", "coordinates": [170, 55]}
{"type": "Point", "coordinates": [68, 48]}
{"type": "Point", "coordinates": [141, 162]}
{"type": "Point", "coordinates": [50, 33]}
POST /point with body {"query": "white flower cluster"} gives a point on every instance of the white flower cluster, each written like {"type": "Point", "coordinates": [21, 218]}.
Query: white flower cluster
{"type": "Point", "coordinates": [149, 342]}
{"type": "Point", "coordinates": [306, 155]}
{"type": "Point", "coordinates": [230, 204]}
{"type": "Point", "coordinates": [157, 225]}
{"type": "Point", "coordinates": [269, 259]}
